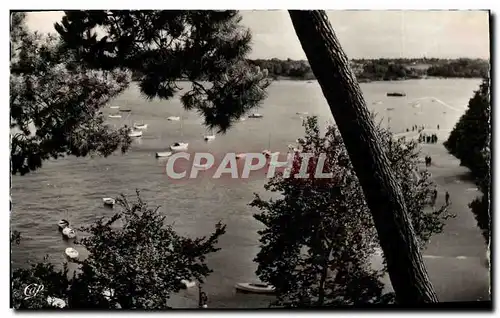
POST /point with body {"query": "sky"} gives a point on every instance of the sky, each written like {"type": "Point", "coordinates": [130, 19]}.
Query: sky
{"type": "Point", "coordinates": [362, 34]}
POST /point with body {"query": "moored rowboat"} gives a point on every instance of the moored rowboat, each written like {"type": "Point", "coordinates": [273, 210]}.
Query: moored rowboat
{"type": "Point", "coordinates": [71, 253]}
{"type": "Point", "coordinates": [255, 288]}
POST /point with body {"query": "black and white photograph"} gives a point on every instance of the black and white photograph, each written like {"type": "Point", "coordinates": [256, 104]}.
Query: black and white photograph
{"type": "Point", "coordinates": [250, 159]}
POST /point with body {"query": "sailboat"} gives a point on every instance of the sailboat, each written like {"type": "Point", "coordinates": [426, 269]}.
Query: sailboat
{"type": "Point", "coordinates": [209, 137]}
{"type": "Point", "coordinates": [267, 152]}
{"type": "Point", "coordinates": [180, 146]}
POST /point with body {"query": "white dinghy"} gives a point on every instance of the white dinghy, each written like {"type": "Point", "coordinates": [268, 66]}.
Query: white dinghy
{"type": "Point", "coordinates": [163, 154]}
{"type": "Point", "coordinates": [56, 302]}
{"type": "Point", "coordinates": [115, 116]}
{"type": "Point", "coordinates": [71, 253]}
{"type": "Point", "coordinates": [174, 118]}
{"type": "Point", "coordinates": [135, 133]}
{"type": "Point", "coordinates": [62, 224]}
{"type": "Point", "coordinates": [108, 201]}
{"type": "Point", "coordinates": [114, 107]}
{"type": "Point", "coordinates": [257, 288]}
{"type": "Point", "coordinates": [140, 126]}
{"type": "Point", "coordinates": [179, 146]}
{"type": "Point", "coordinates": [209, 137]}
{"type": "Point", "coordinates": [69, 233]}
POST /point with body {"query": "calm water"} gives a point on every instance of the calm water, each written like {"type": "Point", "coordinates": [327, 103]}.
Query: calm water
{"type": "Point", "coordinates": [76, 185]}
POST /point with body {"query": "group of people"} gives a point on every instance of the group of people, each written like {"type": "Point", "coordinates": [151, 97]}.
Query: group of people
{"type": "Point", "coordinates": [435, 195]}
{"type": "Point", "coordinates": [428, 161]}
{"type": "Point", "coordinates": [417, 128]}
{"type": "Point", "coordinates": [430, 139]}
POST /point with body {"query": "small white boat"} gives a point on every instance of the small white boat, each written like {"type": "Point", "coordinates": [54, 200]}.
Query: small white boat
{"type": "Point", "coordinates": [71, 253]}
{"type": "Point", "coordinates": [257, 288]}
{"type": "Point", "coordinates": [209, 137]}
{"type": "Point", "coordinates": [187, 283]}
{"type": "Point", "coordinates": [62, 224]}
{"type": "Point", "coordinates": [115, 116]}
{"type": "Point", "coordinates": [140, 126]}
{"type": "Point", "coordinates": [174, 118]}
{"type": "Point", "coordinates": [56, 302]}
{"type": "Point", "coordinates": [109, 201]}
{"type": "Point", "coordinates": [302, 113]}
{"type": "Point", "coordinates": [179, 146]}
{"type": "Point", "coordinates": [377, 103]}
{"type": "Point", "coordinates": [69, 232]}
{"type": "Point", "coordinates": [256, 115]}
{"type": "Point", "coordinates": [163, 154]}
{"type": "Point", "coordinates": [135, 133]}
{"type": "Point", "coordinates": [114, 107]}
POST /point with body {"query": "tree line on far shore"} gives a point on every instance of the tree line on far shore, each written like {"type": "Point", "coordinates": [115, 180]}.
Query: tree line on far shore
{"type": "Point", "coordinates": [367, 70]}
{"type": "Point", "coordinates": [383, 69]}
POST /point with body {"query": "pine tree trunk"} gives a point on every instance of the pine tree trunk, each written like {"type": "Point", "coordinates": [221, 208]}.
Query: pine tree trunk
{"type": "Point", "coordinates": [383, 195]}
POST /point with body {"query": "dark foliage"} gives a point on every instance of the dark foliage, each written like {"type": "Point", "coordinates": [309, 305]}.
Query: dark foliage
{"type": "Point", "coordinates": [207, 48]}
{"type": "Point", "coordinates": [319, 237]}
{"type": "Point", "coordinates": [470, 141]}
{"type": "Point", "coordinates": [55, 102]}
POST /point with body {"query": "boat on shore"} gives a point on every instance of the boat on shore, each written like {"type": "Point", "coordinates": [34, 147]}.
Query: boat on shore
{"type": "Point", "coordinates": [174, 118]}
{"type": "Point", "coordinates": [114, 107]}
{"type": "Point", "coordinates": [188, 284]}
{"type": "Point", "coordinates": [125, 110]}
{"type": "Point", "coordinates": [256, 115]}
{"type": "Point", "coordinates": [257, 288]}
{"type": "Point", "coordinates": [396, 94]}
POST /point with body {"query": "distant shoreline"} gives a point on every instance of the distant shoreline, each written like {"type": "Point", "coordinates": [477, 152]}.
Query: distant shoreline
{"type": "Point", "coordinates": [361, 81]}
